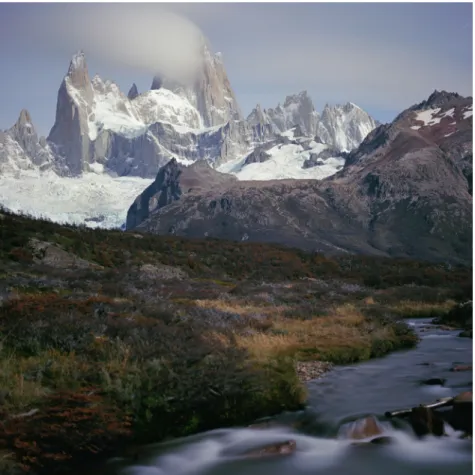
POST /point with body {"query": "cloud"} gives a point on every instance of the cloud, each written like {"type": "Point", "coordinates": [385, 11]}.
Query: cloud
{"type": "Point", "coordinates": [381, 56]}
{"type": "Point", "coordinates": [145, 37]}
{"type": "Point", "coordinates": [386, 56]}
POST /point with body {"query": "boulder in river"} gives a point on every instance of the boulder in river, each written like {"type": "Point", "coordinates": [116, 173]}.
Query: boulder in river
{"type": "Point", "coordinates": [461, 417]}
{"type": "Point", "coordinates": [280, 448]}
{"type": "Point", "coordinates": [362, 429]}
{"type": "Point", "coordinates": [425, 421]}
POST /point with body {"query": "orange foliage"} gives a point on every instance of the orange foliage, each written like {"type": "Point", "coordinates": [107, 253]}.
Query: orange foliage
{"type": "Point", "coordinates": [82, 423]}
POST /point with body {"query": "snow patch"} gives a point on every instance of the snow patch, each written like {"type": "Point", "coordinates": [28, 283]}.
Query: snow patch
{"type": "Point", "coordinates": [96, 167]}
{"type": "Point", "coordinates": [426, 117]}
{"type": "Point", "coordinates": [468, 112]}
{"type": "Point", "coordinates": [112, 110]}
{"type": "Point", "coordinates": [72, 200]}
{"type": "Point", "coordinates": [165, 106]}
{"type": "Point", "coordinates": [449, 113]}
{"type": "Point", "coordinates": [286, 162]}
{"type": "Point", "coordinates": [289, 134]}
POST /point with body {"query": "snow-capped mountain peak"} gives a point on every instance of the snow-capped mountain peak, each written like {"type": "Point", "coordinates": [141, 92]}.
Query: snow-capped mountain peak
{"type": "Point", "coordinates": [100, 131]}
{"type": "Point", "coordinates": [22, 149]}
{"type": "Point", "coordinates": [341, 127]}
{"type": "Point", "coordinates": [298, 109]}
{"type": "Point", "coordinates": [344, 126]}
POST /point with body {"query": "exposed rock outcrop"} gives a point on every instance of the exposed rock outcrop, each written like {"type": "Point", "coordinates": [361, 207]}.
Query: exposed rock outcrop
{"type": "Point", "coordinates": [399, 194]}
{"type": "Point", "coordinates": [70, 133]}
{"type": "Point", "coordinates": [133, 92]}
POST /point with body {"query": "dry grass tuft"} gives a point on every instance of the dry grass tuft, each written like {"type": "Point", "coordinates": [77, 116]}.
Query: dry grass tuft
{"type": "Point", "coordinates": [312, 338]}
{"type": "Point", "coordinates": [411, 309]}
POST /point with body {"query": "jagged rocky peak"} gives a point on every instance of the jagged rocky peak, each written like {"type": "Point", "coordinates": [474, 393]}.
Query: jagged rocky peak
{"type": "Point", "coordinates": [21, 149]}
{"type": "Point", "coordinates": [258, 116]}
{"type": "Point", "coordinates": [215, 97]}
{"type": "Point", "coordinates": [344, 127]}
{"type": "Point", "coordinates": [78, 73]}
{"type": "Point", "coordinates": [439, 98]}
{"type": "Point", "coordinates": [210, 91]}
{"type": "Point", "coordinates": [133, 92]}
{"type": "Point", "coordinates": [24, 122]}
{"type": "Point", "coordinates": [298, 109]}
{"type": "Point", "coordinates": [69, 134]}
{"type": "Point", "coordinates": [24, 132]}
{"type": "Point", "coordinates": [157, 83]}
{"type": "Point", "coordinates": [300, 98]}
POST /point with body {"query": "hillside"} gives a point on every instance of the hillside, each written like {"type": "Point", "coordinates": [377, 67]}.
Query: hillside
{"type": "Point", "coordinates": [92, 322]}
{"type": "Point", "coordinates": [404, 192]}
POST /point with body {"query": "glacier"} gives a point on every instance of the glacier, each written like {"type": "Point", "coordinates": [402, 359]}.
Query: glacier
{"type": "Point", "coordinates": [93, 199]}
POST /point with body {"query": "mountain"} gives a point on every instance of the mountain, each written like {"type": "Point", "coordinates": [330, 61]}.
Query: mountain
{"type": "Point", "coordinates": [341, 127]}
{"type": "Point", "coordinates": [106, 146]}
{"type": "Point", "coordinates": [403, 192]}
{"type": "Point", "coordinates": [344, 126]}
{"type": "Point", "coordinates": [210, 93]}
{"type": "Point", "coordinates": [298, 110]}
{"type": "Point", "coordinates": [99, 129]}
{"type": "Point", "coordinates": [22, 149]}
{"type": "Point", "coordinates": [290, 154]}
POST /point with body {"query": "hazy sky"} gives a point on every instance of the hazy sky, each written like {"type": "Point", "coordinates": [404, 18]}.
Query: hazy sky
{"type": "Point", "coordinates": [384, 57]}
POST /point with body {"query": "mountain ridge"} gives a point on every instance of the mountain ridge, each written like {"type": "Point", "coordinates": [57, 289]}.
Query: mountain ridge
{"type": "Point", "coordinates": [402, 193]}
{"type": "Point", "coordinates": [99, 127]}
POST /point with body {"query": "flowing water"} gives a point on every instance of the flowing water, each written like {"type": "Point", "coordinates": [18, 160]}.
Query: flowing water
{"type": "Point", "coordinates": [343, 395]}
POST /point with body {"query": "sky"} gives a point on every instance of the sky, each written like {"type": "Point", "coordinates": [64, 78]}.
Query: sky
{"type": "Point", "coordinates": [384, 57]}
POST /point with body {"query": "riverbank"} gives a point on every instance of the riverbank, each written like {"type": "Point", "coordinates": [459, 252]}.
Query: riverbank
{"type": "Point", "coordinates": [110, 339]}
{"type": "Point", "coordinates": [326, 437]}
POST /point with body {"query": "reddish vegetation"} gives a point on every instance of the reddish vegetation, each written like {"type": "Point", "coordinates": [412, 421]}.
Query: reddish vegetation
{"type": "Point", "coordinates": [70, 426]}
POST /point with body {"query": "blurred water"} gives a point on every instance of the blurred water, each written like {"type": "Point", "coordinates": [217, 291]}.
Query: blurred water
{"type": "Point", "coordinates": [343, 395]}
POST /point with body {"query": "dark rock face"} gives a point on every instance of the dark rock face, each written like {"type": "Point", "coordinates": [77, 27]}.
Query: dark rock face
{"type": "Point", "coordinates": [400, 194]}
{"type": "Point", "coordinates": [312, 161]}
{"type": "Point", "coordinates": [69, 135]}
{"type": "Point", "coordinates": [133, 92]}
{"type": "Point", "coordinates": [156, 83]}
{"type": "Point", "coordinates": [164, 190]}
{"type": "Point", "coordinates": [258, 155]}
{"type": "Point", "coordinates": [425, 421]}
{"type": "Point", "coordinates": [172, 181]}
{"type": "Point", "coordinates": [462, 412]}
{"type": "Point", "coordinates": [318, 159]}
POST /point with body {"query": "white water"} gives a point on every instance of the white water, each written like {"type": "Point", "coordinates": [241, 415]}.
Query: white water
{"type": "Point", "coordinates": [342, 396]}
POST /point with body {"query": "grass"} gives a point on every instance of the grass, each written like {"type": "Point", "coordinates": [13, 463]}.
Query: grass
{"type": "Point", "coordinates": [109, 357]}
{"type": "Point", "coordinates": [417, 309]}
{"type": "Point", "coordinates": [342, 336]}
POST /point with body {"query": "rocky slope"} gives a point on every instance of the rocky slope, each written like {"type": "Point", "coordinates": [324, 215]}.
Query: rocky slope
{"type": "Point", "coordinates": [403, 192]}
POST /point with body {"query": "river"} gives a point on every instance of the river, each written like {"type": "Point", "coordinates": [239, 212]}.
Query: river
{"type": "Point", "coordinates": [341, 396]}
